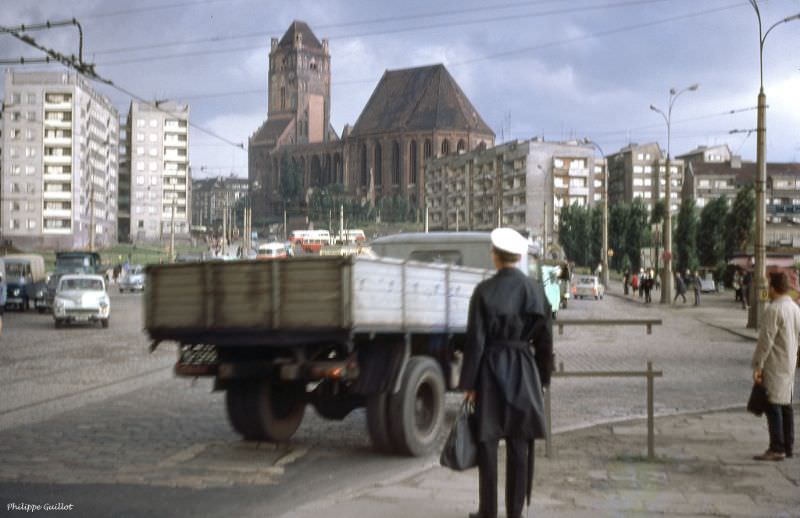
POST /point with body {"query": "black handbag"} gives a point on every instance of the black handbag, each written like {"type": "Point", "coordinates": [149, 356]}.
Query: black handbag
{"type": "Point", "coordinates": [757, 404]}
{"type": "Point", "coordinates": [461, 449]}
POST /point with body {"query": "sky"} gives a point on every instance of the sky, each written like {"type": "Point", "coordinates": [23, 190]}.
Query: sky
{"type": "Point", "coordinates": [558, 69]}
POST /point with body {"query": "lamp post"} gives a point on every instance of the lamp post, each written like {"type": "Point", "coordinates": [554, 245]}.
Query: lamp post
{"type": "Point", "coordinates": [666, 273]}
{"type": "Point", "coordinates": [604, 252]}
{"type": "Point", "coordinates": [759, 295]}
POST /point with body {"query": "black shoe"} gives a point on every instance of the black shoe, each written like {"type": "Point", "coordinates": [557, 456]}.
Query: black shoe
{"type": "Point", "coordinates": [789, 453]}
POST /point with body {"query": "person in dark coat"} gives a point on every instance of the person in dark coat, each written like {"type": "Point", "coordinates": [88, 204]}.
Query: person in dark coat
{"type": "Point", "coordinates": [508, 359]}
{"type": "Point", "coordinates": [680, 288]}
{"type": "Point", "coordinates": [626, 279]}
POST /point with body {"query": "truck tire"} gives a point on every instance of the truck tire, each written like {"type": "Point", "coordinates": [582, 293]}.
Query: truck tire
{"type": "Point", "coordinates": [262, 410]}
{"type": "Point", "coordinates": [416, 412]}
{"type": "Point", "coordinates": [244, 422]}
{"type": "Point", "coordinates": [378, 422]}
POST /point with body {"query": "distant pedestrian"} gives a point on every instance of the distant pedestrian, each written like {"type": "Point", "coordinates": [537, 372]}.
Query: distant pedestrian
{"type": "Point", "coordinates": [648, 286]}
{"type": "Point", "coordinates": [747, 282]}
{"type": "Point", "coordinates": [641, 282]}
{"type": "Point", "coordinates": [696, 286]}
{"type": "Point", "coordinates": [737, 286]}
{"type": "Point", "coordinates": [626, 279]}
{"type": "Point", "coordinates": [680, 288]}
{"type": "Point", "coordinates": [774, 364]}
{"type": "Point", "coordinates": [635, 283]}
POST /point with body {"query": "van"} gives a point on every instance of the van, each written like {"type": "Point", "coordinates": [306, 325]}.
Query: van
{"type": "Point", "coordinates": [26, 281]}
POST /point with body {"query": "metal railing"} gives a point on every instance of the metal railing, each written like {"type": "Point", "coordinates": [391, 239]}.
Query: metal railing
{"type": "Point", "coordinates": [650, 374]}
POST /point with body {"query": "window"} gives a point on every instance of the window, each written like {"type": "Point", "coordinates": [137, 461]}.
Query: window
{"type": "Point", "coordinates": [378, 164]}
{"type": "Point", "coordinates": [153, 137]}
{"type": "Point", "coordinates": [31, 224]}
{"type": "Point", "coordinates": [413, 161]}
{"type": "Point", "coordinates": [152, 152]}
{"type": "Point", "coordinates": [140, 137]}
{"type": "Point", "coordinates": [648, 169]}
{"type": "Point", "coordinates": [154, 180]}
{"type": "Point", "coordinates": [16, 98]}
{"type": "Point", "coordinates": [557, 162]}
{"type": "Point", "coordinates": [30, 152]}
{"type": "Point", "coordinates": [461, 146]}
{"type": "Point", "coordinates": [30, 116]}
{"type": "Point", "coordinates": [139, 180]}
{"type": "Point", "coordinates": [395, 163]}
{"type": "Point", "coordinates": [13, 224]}
{"type": "Point", "coordinates": [638, 182]}
{"type": "Point", "coordinates": [153, 123]}
{"type": "Point", "coordinates": [637, 169]}
{"type": "Point", "coordinates": [364, 166]}
{"type": "Point", "coordinates": [427, 150]}
{"type": "Point", "coordinates": [445, 147]}
{"type": "Point", "coordinates": [140, 123]}
{"type": "Point", "coordinates": [140, 150]}
{"type": "Point", "coordinates": [31, 98]}
{"type": "Point", "coordinates": [139, 195]}
{"type": "Point", "coordinates": [283, 98]}
{"type": "Point", "coordinates": [648, 156]}
{"type": "Point", "coordinates": [153, 167]}
{"type": "Point", "coordinates": [29, 170]}
{"type": "Point", "coordinates": [14, 205]}
{"type": "Point", "coordinates": [16, 170]}
{"type": "Point", "coordinates": [140, 166]}
{"type": "Point", "coordinates": [640, 156]}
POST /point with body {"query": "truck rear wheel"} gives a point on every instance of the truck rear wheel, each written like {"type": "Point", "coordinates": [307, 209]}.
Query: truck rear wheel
{"type": "Point", "coordinates": [416, 412]}
{"type": "Point", "coordinates": [378, 422]}
{"type": "Point", "coordinates": [263, 410]}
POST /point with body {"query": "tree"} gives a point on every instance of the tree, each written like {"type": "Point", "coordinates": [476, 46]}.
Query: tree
{"type": "Point", "coordinates": [596, 233]}
{"type": "Point", "coordinates": [618, 221]}
{"type": "Point", "coordinates": [710, 234]}
{"type": "Point", "coordinates": [291, 184]}
{"type": "Point", "coordinates": [686, 236]}
{"type": "Point", "coordinates": [574, 233]}
{"type": "Point", "coordinates": [637, 233]}
{"type": "Point", "coordinates": [739, 221]}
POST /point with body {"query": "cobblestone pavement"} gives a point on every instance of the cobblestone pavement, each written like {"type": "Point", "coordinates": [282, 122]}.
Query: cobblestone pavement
{"type": "Point", "coordinates": [84, 408]}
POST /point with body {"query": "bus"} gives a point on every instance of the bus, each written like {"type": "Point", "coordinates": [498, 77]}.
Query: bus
{"type": "Point", "coordinates": [351, 236]}
{"type": "Point", "coordinates": [310, 240]}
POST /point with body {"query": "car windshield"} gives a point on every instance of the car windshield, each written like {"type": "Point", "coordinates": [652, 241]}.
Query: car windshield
{"type": "Point", "coordinates": [586, 280]}
{"type": "Point", "coordinates": [81, 284]}
{"type": "Point", "coordinates": [16, 270]}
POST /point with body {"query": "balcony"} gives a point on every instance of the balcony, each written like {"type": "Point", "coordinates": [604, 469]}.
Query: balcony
{"type": "Point", "coordinates": [57, 213]}
{"type": "Point", "coordinates": [578, 191]}
{"type": "Point", "coordinates": [56, 123]}
{"type": "Point", "coordinates": [176, 143]}
{"type": "Point", "coordinates": [57, 195]}
{"type": "Point", "coordinates": [58, 141]}
{"type": "Point", "coordinates": [58, 159]}
{"type": "Point", "coordinates": [174, 157]}
{"type": "Point", "coordinates": [58, 178]}
{"type": "Point", "coordinates": [61, 230]}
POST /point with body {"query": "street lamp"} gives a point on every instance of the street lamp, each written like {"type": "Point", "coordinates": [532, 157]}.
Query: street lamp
{"type": "Point", "coordinates": [759, 295]}
{"type": "Point", "coordinates": [604, 252]}
{"type": "Point", "coordinates": [666, 273]}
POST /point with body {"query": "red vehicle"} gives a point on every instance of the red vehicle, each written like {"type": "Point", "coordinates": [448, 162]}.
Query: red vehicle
{"type": "Point", "coordinates": [310, 240]}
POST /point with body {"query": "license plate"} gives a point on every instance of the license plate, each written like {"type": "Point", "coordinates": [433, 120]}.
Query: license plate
{"type": "Point", "coordinates": [82, 318]}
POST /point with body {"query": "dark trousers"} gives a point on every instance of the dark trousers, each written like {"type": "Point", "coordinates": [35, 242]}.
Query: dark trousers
{"type": "Point", "coordinates": [680, 294]}
{"type": "Point", "coordinates": [780, 421]}
{"type": "Point", "coordinates": [516, 477]}
{"type": "Point", "coordinates": [696, 297]}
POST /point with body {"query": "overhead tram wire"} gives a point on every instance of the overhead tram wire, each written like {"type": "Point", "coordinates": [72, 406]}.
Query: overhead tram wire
{"type": "Point", "coordinates": [216, 39]}
{"type": "Point", "coordinates": [87, 70]}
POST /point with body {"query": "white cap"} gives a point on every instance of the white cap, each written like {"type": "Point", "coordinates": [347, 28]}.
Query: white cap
{"type": "Point", "coordinates": [509, 240]}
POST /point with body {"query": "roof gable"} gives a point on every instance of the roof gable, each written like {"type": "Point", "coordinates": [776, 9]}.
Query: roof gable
{"type": "Point", "coordinates": [419, 99]}
{"type": "Point", "coordinates": [302, 28]}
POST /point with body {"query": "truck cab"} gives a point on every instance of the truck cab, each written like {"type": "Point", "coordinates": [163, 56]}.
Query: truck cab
{"type": "Point", "coordinates": [25, 281]}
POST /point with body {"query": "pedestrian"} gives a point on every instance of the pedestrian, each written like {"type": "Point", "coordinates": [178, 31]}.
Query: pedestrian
{"type": "Point", "coordinates": [774, 364]}
{"type": "Point", "coordinates": [696, 286]}
{"type": "Point", "coordinates": [648, 286]}
{"type": "Point", "coordinates": [737, 286]}
{"type": "Point", "coordinates": [626, 279]}
{"type": "Point", "coordinates": [747, 281]}
{"type": "Point", "coordinates": [680, 288]}
{"type": "Point", "coordinates": [635, 283]}
{"type": "Point", "coordinates": [641, 282]}
{"type": "Point", "coordinates": [508, 358]}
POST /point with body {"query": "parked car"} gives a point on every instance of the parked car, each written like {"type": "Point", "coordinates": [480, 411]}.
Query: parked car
{"type": "Point", "coordinates": [272, 251]}
{"type": "Point", "coordinates": [81, 298]}
{"type": "Point", "coordinates": [588, 286]}
{"type": "Point", "coordinates": [26, 281]}
{"type": "Point", "coordinates": [133, 279]}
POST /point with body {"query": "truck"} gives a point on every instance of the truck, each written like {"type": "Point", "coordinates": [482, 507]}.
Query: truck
{"type": "Point", "coordinates": [336, 332]}
{"type": "Point", "coordinates": [26, 281]}
{"type": "Point", "coordinates": [71, 262]}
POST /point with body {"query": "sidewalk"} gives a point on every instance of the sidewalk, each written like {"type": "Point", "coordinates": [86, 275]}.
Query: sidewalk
{"type": "Point", "coordinates": [703, 464]}
{"type": "Point", "coordinates": [704, 467]}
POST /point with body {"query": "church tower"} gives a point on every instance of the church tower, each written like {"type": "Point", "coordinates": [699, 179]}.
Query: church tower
{"type": "Point", "coordinates": [300, 83]}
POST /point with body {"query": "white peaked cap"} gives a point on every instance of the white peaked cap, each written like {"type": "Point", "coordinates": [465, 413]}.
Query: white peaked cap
{"type": "Point", "coordinates": [509, 240]}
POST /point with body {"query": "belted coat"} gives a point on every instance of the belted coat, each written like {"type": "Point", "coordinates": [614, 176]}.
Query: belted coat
{"type": "Point", "coordinates": [508, 356]}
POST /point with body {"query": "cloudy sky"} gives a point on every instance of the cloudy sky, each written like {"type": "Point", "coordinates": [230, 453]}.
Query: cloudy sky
{"type": "Point", "coordinates": [559, 69]}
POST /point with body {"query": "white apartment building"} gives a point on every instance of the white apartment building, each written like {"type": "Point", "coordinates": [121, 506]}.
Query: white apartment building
{"type": "Point", "coordinates": [523, 185]}
{"type": "Point", "coordinates": [157, 150]}
{"type": "Point", "coordinates": [59, 166]}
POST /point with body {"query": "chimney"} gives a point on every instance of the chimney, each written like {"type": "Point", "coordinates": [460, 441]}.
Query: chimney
{"type": "Point", "coordinates": [273, 45]}
{"type": "Point", "coordinates": [325, 46]}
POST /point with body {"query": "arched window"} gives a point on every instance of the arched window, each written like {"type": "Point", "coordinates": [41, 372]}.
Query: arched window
{"type": "Point", "coordinates": [445, 147]}
{"type": "Point", "coordinates": [428, 149]}
{"type": "Point", "coordinates": [378, 165]}
{"type": "Point", "coordinates": [412, 153]}
{"type": "Point", "coordinates": [364, 166]}
{"type": "Point", "coordinates": [395, 163]}
{"type": "Point", "coordinates": [461, 146]}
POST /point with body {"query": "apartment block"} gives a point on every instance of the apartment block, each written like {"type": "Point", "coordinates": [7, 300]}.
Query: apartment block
{"type": "Point", "coordinates": [523, 185]}
{"type": "Point", "coordinates": [156, 174]}
{"type": "Point", "coordinates": [211, 197]}
{"type": "Point", "coordinates": [59, 162]}
{"type": "Point", "coordinates": [639, 171]}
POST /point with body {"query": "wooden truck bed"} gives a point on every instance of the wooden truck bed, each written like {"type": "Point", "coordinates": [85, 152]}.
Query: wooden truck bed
{"type": "Point", "coordinates": [248, 300]}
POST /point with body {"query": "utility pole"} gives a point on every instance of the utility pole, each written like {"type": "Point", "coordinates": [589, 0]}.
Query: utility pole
{"type": "Point", "coordinates": [604, 248]}
{"type": "Point", "coordinates": [666, 280]}
{"type": "Point", "coordinates": [172, 233]}
{"type": "Point", "coordinates": [758, 296]}
{"type": "Point", "coordinates": [91, 213]}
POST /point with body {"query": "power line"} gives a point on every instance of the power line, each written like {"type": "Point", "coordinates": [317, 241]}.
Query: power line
{"type": "Point", "coordinates": [87, 70]}
{"type": "Point", "coordinates": [376, 32]}
{"type": "Point", "coordinates": [162, 7]}
{"type": "Point", "coordinates": [373, 21]}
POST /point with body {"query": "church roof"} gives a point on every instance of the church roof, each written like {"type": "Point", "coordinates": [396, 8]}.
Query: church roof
{"type": "Point", "coordinates": [302, 28]}
{"type": "Point", "coordinates": [418, 99]}
{"type": "Point", "coordinates": [270, 131]}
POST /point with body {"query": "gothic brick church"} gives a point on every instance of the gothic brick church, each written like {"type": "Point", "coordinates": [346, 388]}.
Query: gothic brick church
{"type": "Point", "coordinates": [413, 114]}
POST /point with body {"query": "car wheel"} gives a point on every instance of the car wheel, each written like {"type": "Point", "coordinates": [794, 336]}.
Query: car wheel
{"type": "Point", "coordinates": [104, 323]}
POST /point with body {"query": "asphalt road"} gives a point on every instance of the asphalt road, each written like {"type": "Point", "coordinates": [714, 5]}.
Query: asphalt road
{"type": "Point", "coordinates": [89, 417]}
